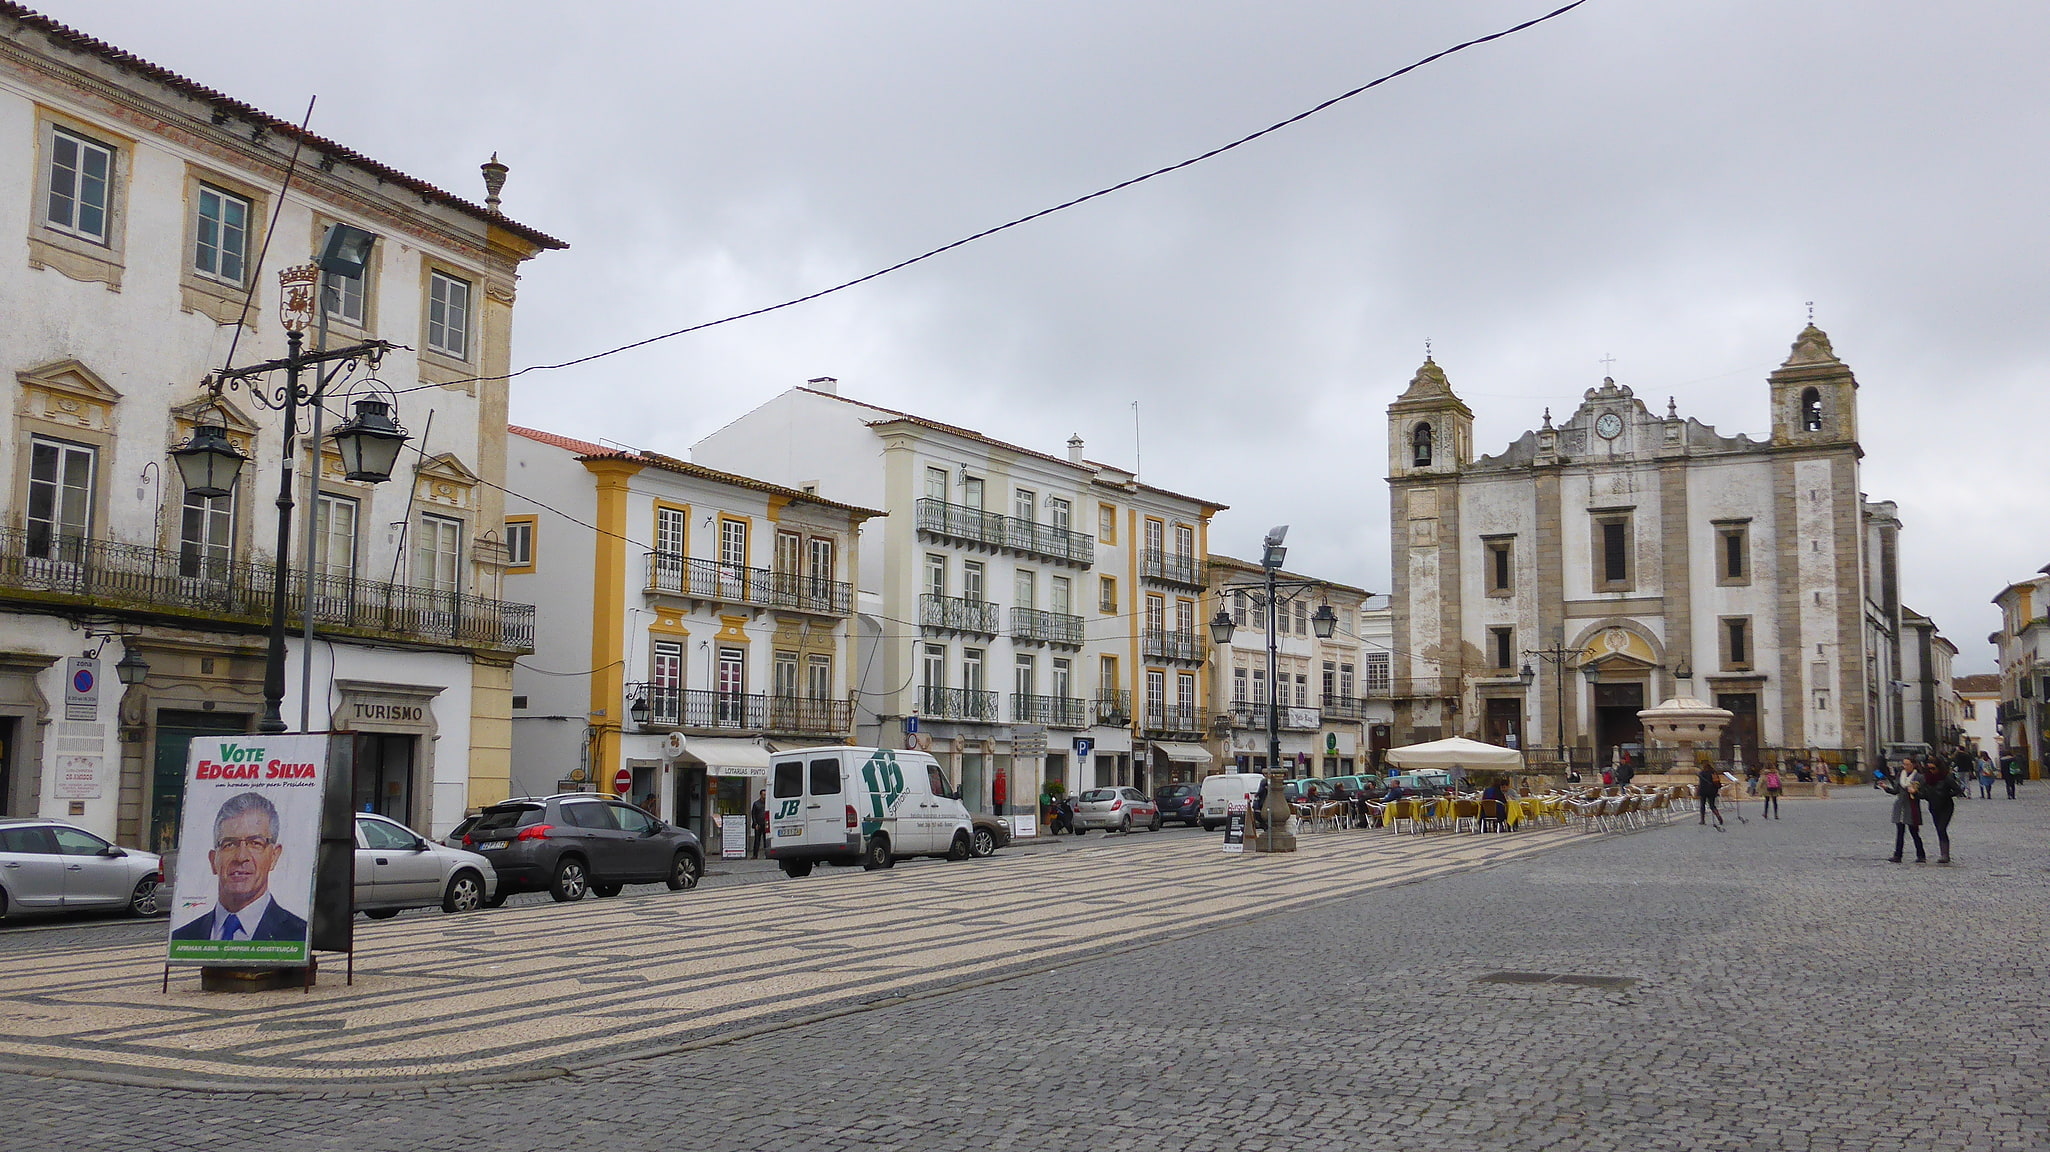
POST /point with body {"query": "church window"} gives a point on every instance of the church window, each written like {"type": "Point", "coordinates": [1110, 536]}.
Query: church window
{"type": "Point", "coordinates": [1502, 648]}
{"type": "Point", "coordinates": [1811, 410]}
{"type": "Point", "coordinates": [1736, 642]}
{"type": "Point", "coordinates": [1612, 549]}
{"type": "Point", "coordinates": [1733, 553]}
{"type": "Point", "coordinates": [1420, 442]}
{"type": "Point", "coordinates": [1501, 565]}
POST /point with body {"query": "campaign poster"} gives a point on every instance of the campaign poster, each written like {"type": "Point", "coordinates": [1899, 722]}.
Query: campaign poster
{"type": "Point", "coordinates": [251, 834]}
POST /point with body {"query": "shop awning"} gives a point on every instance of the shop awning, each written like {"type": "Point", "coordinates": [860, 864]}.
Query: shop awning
{"type": "Point", "coordinates": [1182, 753]}
{"type": "Point", "coordinates": [724, 756]}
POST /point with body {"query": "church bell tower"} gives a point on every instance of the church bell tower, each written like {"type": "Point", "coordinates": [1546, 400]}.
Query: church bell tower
{"type": "Point", "coordinates": [1814, 395]}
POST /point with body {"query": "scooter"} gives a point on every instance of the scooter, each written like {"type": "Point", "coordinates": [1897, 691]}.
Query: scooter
{"type": "Point", "coordinates": [1063, 819]}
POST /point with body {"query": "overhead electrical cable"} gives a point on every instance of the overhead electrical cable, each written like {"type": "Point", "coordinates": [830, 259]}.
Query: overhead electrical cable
{"type": "Point", "coordinates": [1029, 218]}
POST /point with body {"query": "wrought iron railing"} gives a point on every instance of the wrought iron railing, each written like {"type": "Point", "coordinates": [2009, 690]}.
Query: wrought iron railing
{"type": "Point", "coordinates": [1344, 708]}
{"type": "Point", "coordinates": [1174, 718]}
{"type": "Point", "coordinates": [1052, 711]}
{"type": "Point", "coordinates": [1172, 644]}
{"type": "Point", "coordinates": [132, 577]}
{"type": "Point", "coordinates": [1171, 567]}
{"type": "Point", "coordinates": [960, 522]}
{"type": "Point", "coordinates": [703, 708]}
{"type": "Point", "coordinates": [957, 613]}
{"type": "Point", "coordinates": [1293, 718]}
{"type": "Point", "coordinates": [957, 704]}
{"type": "Point", "coordinates": [711, 580]}
{"type": "Point", "coordinates": [1046, 627]}
{"type": "Point", "coordinates": [1114, 708]}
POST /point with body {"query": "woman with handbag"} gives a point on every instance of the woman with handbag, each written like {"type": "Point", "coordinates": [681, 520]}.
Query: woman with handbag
{"type": "Point", "coordinates": [1907, 811]}
{"type": "Point", "coordinates": [1940, 790]}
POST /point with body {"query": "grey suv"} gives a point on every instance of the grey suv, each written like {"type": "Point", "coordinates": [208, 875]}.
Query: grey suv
{"type": "Point", "coordinates": [578, 842]}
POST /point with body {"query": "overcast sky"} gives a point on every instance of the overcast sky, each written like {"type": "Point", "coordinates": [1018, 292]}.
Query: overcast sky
{"type": "Point", "coordinates": [1666, 183]}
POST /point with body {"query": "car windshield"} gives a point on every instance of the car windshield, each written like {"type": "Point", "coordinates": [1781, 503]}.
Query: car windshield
{"type": "Point", "coordinates": [1098, 794]}
{"type": "Point", "coordinates": [1178, 791]}
{"type": "Point", "coordinates": [507, 818]}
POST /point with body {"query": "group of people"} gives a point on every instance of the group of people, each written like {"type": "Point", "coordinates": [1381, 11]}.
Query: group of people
{"type": "Point", "coordinates": [1933, 785]}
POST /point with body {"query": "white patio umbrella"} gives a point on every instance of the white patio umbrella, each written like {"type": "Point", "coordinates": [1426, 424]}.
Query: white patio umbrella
{"type": "Point", "coordinates": [1457, 752]}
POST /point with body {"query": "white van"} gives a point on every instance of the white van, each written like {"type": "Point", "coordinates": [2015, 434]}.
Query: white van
{"type": "Point", "coordinates": [1222, 791]}
{"type": "Point", "coordinates": [866, 806]}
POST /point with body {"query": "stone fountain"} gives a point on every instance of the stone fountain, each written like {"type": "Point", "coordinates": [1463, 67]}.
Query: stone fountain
{"type": "Point", "coordinates": [1685, 723]}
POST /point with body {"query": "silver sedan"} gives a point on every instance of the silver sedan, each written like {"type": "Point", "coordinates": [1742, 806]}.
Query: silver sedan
{"type": "Point", "coordinates": [397, 868]}
{"type": "Point", "coordinates": [53, 866]}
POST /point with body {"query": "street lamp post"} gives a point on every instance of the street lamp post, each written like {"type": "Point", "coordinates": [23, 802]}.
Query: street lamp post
{"type": "Point", "coordinates": [1558, 656]}
{"type": "Point", "coordinates": [368, 443]}
{"type": "Point", "coordinates": [1275, 837]}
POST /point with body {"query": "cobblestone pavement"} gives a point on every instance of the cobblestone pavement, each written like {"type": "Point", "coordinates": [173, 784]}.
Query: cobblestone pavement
{"type": "Point", "coordinates": [1774, 986]}
{"type": "Point", "coordinates": [537, 989]}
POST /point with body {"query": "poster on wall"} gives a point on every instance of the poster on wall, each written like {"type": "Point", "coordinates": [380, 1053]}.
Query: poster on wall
{"type": "Point", "coordinates": [254, 803]}
{"type": "Point", "coordinates": [78, 778]}
{"type": "Point", "coordinates": [732, 837]}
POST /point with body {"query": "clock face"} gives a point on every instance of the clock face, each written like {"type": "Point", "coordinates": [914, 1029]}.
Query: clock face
{"type": "Point", "coordinates": [1608, 426]}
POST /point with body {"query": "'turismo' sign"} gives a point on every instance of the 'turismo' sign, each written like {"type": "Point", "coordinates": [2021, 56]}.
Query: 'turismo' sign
{"type": "Point", "coordinates": [401, 713]}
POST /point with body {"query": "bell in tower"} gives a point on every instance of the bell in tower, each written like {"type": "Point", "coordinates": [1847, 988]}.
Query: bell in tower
{"type": "Point", "coordinates": [1814, 394]}
{"type": "Point", "coordinates": [1430, 430]}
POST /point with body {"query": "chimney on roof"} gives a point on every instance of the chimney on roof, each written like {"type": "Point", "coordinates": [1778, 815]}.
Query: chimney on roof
{"type": "Point", "coordinates": [1075, 448]}
{"type": "Point", "coordinates": [494, 181]}
{"type": "Point", "coordinates": [826, 384]}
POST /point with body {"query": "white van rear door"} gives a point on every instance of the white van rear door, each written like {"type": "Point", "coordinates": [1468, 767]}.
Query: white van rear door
{"type": "Point", "coordinates": [825, 803]}
{"type": "Point", "coordinates": [786, 803]}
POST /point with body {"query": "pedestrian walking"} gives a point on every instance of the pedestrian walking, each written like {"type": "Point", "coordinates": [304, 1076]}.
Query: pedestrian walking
{"type": "Point", "coordinates": [2011, 771]}
{"type": "Point", "coordinates": [1707, 789]}
{"type": "Point", "coordinates": [758, 825]}
{"type": "Point", "coordinates": [1985, 775]}
{"type": "Point", "coordinates": [1772, 785]}
{"type": "Point", "coordinates": [1940, 791]}
{"type": "Point", "coordinates": [1907, 811]}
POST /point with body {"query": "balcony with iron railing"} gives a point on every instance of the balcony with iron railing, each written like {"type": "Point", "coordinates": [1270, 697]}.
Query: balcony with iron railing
{"type": "Point", "coordinates": [1114, 709]}
{"type": "Point", "coordinates": [1254, 716]}
{"type": "Point", "coordinates": [1171, 567]}
{"type": "Point", "coordinates": [957, 614]}
{"type": "Point", "coordinates": [1344, 708]}
{"type": "Point", "coordinates": [1174, 718]}
{"type": "Point", "coordinates": [1172, 644]}
{"type": "Point", "coordinates": [1052, 711]}
{"type": "Point", "coordinates": [703, 579]}
{"type": "Point", "coordinates": [68, 572]}
{"type": "Point", "coordinates": [992, 530]}
{"type": "Point", "coordinates": [744, 711]}
{"type": "Point", "coordinates": [969, 704]}
{"type": "Point", "coordinates": [1046, 627]}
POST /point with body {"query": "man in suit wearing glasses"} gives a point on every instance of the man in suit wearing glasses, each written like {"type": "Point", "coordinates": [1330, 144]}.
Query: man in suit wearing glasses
{"type": "Point", "coordinates": [245, 849]}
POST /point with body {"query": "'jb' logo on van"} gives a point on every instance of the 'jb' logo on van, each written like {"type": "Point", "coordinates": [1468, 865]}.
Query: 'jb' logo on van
{"type": "Point", "coordinates": [885, 782]}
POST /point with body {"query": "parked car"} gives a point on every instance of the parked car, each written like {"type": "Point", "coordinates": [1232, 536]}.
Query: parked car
{"type": "Point", "coordinates": [454, 839]}
{"type": "Point", "coordinates": [397, 868]}
{"type": "Point", "coordinates": [53, 865]}
{"type": "Point", "coordinates": [987, 834]}
{"type": "Point", "coordinates": [579, 842]}
{"type": "Point", "coordinates": [1115, 809]}
{"type": "Point", "coordinates": [1183, 802]}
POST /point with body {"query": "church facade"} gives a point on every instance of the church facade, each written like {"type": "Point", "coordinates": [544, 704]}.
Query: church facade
{"type": "Point", "coordinates": [1542, 596]}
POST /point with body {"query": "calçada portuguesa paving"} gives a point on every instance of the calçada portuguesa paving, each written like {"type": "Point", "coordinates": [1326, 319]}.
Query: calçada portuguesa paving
{"type": "Point", "coordinates": [1775, 986]}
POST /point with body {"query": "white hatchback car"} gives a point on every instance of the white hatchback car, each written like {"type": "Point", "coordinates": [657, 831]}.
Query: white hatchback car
{"type": "Point", "coordinates": [1116, 810]}
{"type": "Point", "coordinates": [52, 866]}
{"type": "Point", "coordinates": [397, 868]}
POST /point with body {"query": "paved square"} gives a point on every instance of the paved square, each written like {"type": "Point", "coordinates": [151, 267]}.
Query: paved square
{"type": "Point", "coordinates": [1779, 986]}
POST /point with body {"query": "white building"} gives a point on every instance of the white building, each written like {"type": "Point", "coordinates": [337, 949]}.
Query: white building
{"type": "Point", "coordinates": [1319, 692]}
{"type": "Point", "coordinates": [717, 626]}
{"type": "Point", "coordinates": [1627, 556]}
{"type": "Point", "coordinates": [989, 611]}
{"type": "Point", "coordinates": [142, 201]}
{"type": "Point", "coordinates": [1979, 710]}
{"type": "Point", "coordinates": [2023, 643]}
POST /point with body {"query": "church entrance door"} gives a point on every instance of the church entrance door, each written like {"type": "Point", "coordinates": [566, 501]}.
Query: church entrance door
{"type": "Point", "coordinates": [1616, 726]}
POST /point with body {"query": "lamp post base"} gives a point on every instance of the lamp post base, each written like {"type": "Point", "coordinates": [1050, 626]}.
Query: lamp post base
{"type": "Point", "coordinates": [1270, 832]}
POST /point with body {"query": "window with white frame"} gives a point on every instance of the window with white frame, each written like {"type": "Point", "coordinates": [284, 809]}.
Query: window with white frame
{"type": "Point", "coordinates": [438, 554]}
{"type": "Point", "coordinates": [818, 676]}
{"type": "Point", "coordinates": [1184, 541]}
{"type": "Point", "coordinates": [934, 660]}
{"type": "Point", "coordinates": [220, 248]}
{"type": "Point", "coordinates": [732, 545]}
{"type": "Point", "coordinates": [789, 553]}
{"type": "Point", "coordinates": [1060, 513]}
{"type": "Point", "coordinates": [1061, 596]}
{"type": "Point", "coordinates": [1238, 685]}
{"type": "Point", "coordinates": [206, 536]}
{"type": "Point", "coordinates": [1063, 678]}
{"type": "Point", "coordinates": [519, 543]}
{"type": "Point", "coordinates": [935, 574]}
{"type": "Point", "coordinates": [820, 560]}
{"type": "Point", "coordinates": [1379, 676]}
{"type": "Point", "coordinates": [1026, 675]}
{"type": "Point", "coordinates": [81, 179]}
{"type": "Point", "coordinates": [971, 580]}
{"type": "Point", "coordinates": [1156, 694]}
{"type": "Point", "coordinates": [1025, 586]}
{"type": "Point", "coordinates": [448, 315]}
{"type": "Point", "coordinates": [1022, 504]}
{"type": "Point", "coordinates": [1156, 613]}
{"type": "Point", "coordinates": [334, 536]}
{"type": "Point", "coordinates": [936, 484]}
{"type": "Point", "coordinates": [784, 676]}
{"type": "Point", "coordinates": [1185, 693]}
{"type": "Point", "coordinates": [61, 479]}
{"type": "Point", "coordinates": [345, 297]}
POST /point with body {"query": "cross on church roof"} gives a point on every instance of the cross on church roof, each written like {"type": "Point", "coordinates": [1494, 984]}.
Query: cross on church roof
{"type": "Point", "coordinates": [1606, 362]}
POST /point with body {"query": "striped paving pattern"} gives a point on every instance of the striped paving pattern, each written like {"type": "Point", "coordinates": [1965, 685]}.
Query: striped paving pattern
{"type": "Point", "coordinates": [525, 990]}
